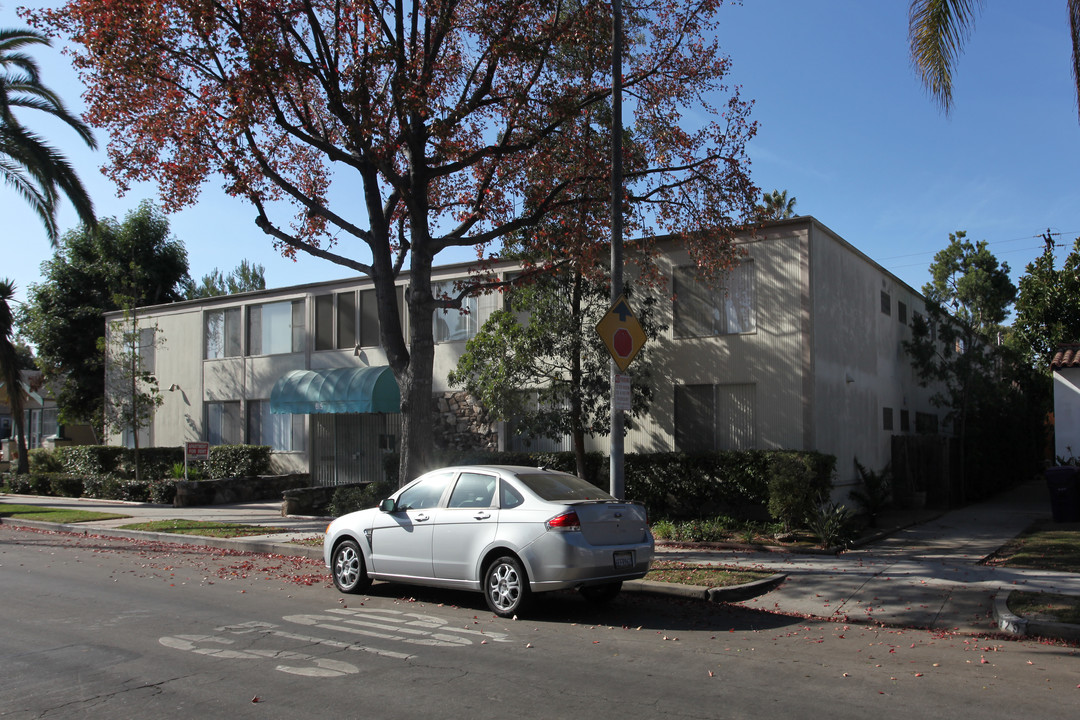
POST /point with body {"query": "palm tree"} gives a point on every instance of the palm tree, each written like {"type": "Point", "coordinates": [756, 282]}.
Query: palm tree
{"type": "Point", "coordinates": [34, 169]}
{"type": "Point", "coordinates": [9, 370]}
{"type": "Point", "coordinates": [778, 206]}
{"type": "Point", "coordinates": [937, 30]}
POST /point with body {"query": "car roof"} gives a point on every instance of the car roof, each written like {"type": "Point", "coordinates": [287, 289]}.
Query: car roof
{"type": "Point", "coordinates": [510, 469]}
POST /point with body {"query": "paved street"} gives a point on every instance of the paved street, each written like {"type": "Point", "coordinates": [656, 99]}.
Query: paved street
{"type": "Point", "coordinates": [108, 628]}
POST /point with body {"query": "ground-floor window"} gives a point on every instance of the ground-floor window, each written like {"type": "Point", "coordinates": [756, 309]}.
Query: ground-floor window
{"type": "Point", "coordinates": [284, 432]}
{"type": "Point", "coordinates": [223, 423]}
{"type": "Point", "coordinates": [715, 417]}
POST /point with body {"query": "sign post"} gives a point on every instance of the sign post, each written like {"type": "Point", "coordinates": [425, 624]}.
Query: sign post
{"type": "Point", "coordinates": [624, 338]}
{"type": "Point", "coordinates": [195, 451]}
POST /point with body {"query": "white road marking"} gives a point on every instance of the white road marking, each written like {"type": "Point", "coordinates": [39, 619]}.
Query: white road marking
{"type": "Point", "coordinates": [393, 625]}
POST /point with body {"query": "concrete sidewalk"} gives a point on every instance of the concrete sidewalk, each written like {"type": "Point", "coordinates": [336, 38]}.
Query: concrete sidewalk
{"type": "Point", "coordinates": [925, 576]}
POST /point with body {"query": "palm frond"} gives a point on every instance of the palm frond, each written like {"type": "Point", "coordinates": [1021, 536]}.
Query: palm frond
{"type": "Point", "coordinates": [937, 30]}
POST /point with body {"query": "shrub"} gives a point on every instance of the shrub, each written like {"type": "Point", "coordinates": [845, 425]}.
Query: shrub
{"type": "Point", "coordinates": [876, 492]}
{"type": "Point", "coordinates": [798, 484]}
{"type": "Point", "coordinates": [102, 487]}
{"type": "Point", "coordinates": [154, 462]}
{"type": "Point", "coordinates": [238, 461]}
{"type": "Point", "coordinates": [66, 485]}
{"type": "Point", "coordinates": [92, 460]}
{"type": "Point", "coordinates": [832, 523]}
{"type": "Point", "coordinates": [19, 484]}
{"type": "Point", "coordinates": [357, 497]}
{"type": "Point", "coordinates": [40, 483]}
{"type": "Point", "coordinates": [162, 492]}
{"type": "Point", "coordinates": [43, 460]}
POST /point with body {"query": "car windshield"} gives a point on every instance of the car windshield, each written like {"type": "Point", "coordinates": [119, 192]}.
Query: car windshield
{"type": "Point", "coordinates": [556, 487]}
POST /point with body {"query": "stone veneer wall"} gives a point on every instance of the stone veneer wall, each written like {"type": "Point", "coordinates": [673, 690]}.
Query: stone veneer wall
{"type": "Point", "coordinates": [461, 424]}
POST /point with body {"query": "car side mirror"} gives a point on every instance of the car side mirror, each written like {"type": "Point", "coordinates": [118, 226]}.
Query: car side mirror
{"type": "Point", "coordinates": [388, 505]}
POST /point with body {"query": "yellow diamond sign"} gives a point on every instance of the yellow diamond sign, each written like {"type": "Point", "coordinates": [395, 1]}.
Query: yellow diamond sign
{"type": "Point", "coordinates": [621, 333]}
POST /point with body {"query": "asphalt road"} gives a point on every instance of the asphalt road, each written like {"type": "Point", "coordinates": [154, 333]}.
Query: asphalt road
{"type": "Point", "coordinates": [105, 628]}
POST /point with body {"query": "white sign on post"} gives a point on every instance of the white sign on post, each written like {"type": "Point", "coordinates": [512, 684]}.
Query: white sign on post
{"type": "Point", "coordinates": [195, 451]}
{"type": "Point", "coordinates": [621, 398]}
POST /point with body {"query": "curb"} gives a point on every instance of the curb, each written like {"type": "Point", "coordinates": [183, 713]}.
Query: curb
{"type": "Point", "coordinates": [1013, 624]}
{"type": "Point", "coordinates": [729, 594]}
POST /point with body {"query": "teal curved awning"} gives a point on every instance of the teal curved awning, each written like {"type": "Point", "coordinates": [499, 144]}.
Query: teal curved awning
{"type": "Point", "coordinates": [338, 390]}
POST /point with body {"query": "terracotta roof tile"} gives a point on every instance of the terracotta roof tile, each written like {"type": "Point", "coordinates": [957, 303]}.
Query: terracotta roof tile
{"type": "Point", "coordinates": [1067, 356]}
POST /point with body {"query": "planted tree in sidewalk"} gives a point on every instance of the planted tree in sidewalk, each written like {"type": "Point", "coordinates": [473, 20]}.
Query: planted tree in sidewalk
{"type": "Point", "coordinates": [132, 392]}
{"type": "Point", "coordinates": [447, 122]}
{"type": "Point", "coordinates": [540, 363]}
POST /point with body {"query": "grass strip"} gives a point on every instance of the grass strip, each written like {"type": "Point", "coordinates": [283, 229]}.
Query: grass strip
{"type": "Point", "coordinates": [1045, 545]}
{"type": "Point", "coordinates": [52, 514]}
{"type": "Point", "coordinates": [703, 575]}
{"type": "Point", "coordinates": [204, 528]}
{"type": "Point", "coordinates": [1053, 607]}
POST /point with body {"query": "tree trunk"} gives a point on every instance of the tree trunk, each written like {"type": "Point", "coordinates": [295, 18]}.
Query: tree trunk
{"type": "Point", "coordinates": [22, 467]}
{"type": "Point", "coordinates": [413, 371]}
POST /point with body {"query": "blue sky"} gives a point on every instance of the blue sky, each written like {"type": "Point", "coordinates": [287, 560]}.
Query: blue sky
{"type": "Point", "coordinates": [845, 127]}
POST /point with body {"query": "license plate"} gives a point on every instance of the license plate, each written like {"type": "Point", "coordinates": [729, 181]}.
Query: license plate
{"type": "Point", "coordinates": [624, 559]}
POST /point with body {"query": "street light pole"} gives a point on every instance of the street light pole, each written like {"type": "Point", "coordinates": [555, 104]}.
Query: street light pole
{"type": "Point", "coordinates": [616, 446]}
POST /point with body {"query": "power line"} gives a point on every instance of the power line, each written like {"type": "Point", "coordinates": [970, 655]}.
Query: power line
{"type": "Point", "coordinates": [996, 242]}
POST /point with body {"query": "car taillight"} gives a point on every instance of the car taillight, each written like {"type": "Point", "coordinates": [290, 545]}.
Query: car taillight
{"type": "Point", "coordinates": [567, 522]}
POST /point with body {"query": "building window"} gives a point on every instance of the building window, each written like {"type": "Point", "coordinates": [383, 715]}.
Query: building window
{"type": "Point", "coordinates": [905, 421]}
{"type": "Point", "coordinates": [223, 423]}
{"type": "Point", "coordinates": [369, 318]}
{"type": "Point", "coordinates": [283, 432]}
{"type": "Point", "coordinates": [346, 320]}
{"type": "Point", "coordinates": [451, 324]}
{"type": "Point", "coordinates": [886, 303]}
{"type": "Point", "coordinates": [221, 333]}
{"type": "Point", "coordinates": [886, 418]}
{"type": "Point", "coordinates": [715, 417]}
{"type": "Point", "coordinates": [38, 424]}
{"type": "Point", "coordinates": [335, 321]}
{"type": "Point", "coordinates": [901, 313]}
{"type": "Point", "coordinates": [705, 309]}
{"type": "Point", "coordinates": [276, 328]}
{"type": "Point", "coordinates": [926, 423]}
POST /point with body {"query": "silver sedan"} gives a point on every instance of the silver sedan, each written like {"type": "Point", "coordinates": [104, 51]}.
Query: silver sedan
{"type": "Point", "coordinates": [506, 531]}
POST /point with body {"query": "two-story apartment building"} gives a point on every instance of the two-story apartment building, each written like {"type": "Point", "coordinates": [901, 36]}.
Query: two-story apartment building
{"type": "Point", "coordinates": [801, 348]}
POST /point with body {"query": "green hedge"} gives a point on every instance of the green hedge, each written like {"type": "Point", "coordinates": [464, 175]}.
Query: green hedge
{"type": "Point", "coordinates": [237, 461]}
{"type": "Point", "coordinates": [751, 484]}
{"type": "Point", "coordinates": [105, 471]}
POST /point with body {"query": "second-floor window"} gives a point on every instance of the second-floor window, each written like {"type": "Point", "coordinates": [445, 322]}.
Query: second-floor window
{"type": "Point", "coordinates": [452, 324]}
{"type": "Point", "coordinates": [723, 307]}
{"type": "Point", "coordinates": [276, 328]}
{"type": "Point", "coordinates": [221, 333]}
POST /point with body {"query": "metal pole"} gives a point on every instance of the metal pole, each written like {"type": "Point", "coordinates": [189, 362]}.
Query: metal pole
{"type": "Point", "coordinates": [616, 448]}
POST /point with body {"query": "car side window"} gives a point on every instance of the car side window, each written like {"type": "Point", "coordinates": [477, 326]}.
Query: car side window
{"type": "Point", "coordinates": [509, 497]}
{"type": "Point", "coordinates": [424, 494]}
{"type": "Point", "coordinates": [473, 490]}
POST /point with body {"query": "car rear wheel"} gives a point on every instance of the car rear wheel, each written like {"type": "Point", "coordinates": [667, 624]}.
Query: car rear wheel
{"type": "Point", "coordinates": [506, 587]}
{"type": "Point", "coordinates": [347, 564]}
{"type": "Point", "coordinates": [601, 594]}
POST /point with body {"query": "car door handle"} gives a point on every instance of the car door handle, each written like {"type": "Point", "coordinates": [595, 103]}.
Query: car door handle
{"type": "Point", "coordinates": [482, 515]}
{"type": "Point", "coordinates": [422, 517]}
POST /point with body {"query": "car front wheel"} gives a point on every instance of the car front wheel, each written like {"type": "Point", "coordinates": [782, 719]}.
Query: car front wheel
{"type": "Point", "coordinates": [347, 564]}
{"type": "Point", "coordinates": [506, 588]}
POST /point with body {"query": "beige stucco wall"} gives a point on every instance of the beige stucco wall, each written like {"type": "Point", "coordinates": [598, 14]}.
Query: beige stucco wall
{"type": "Point", "coordinates": [769, 357]}
{"type": "Point", "coordinates": [860, 366]}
